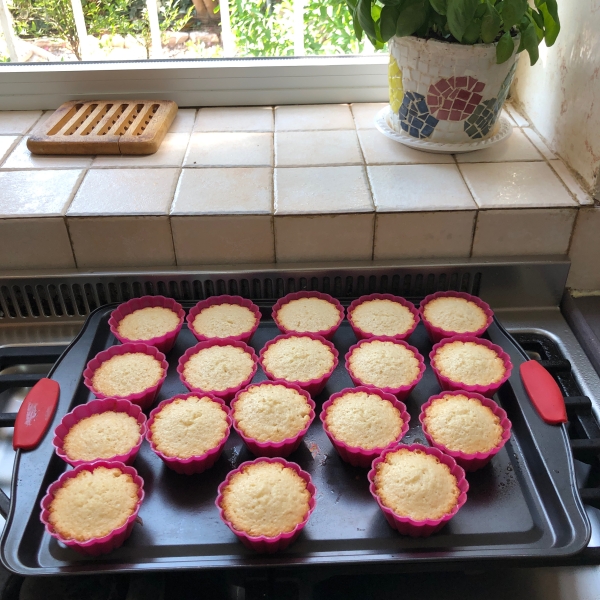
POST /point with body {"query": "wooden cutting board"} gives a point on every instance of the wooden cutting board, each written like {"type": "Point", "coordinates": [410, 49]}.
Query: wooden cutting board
{"type": "Point", "coordinates": [105, 127]}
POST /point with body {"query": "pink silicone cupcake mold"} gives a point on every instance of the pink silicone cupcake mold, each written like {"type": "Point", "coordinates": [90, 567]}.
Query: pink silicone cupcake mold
{"type": "Point", "coordinates": [271, 449]}
{"type": "Point", "coordinates": [165, 342]}
{"type": "Point", "coordinates": [426, 527]}
{"type": "Point", "coordinates": [95, 407]}
{"type": "Point", "coordinates": [355, 455]}
{"type": "Point", "coordinates": [216, 300]}
{"type": "Point", "coordinates": [107, 543]}
{"type": "Point", "coordinates": [437, 333]}
{"type": "Point", "coordinates": [485, 390]}
{"type": "Point", "coordinates": [264, 544]}
{"type": "Point", "coordinates": [361, 334]}
{"type": "Point", "coordinates": [192, 464]}
{"type": "Point", "coordinates": [326, 333]}
{"type": "Point", "coordinates": [476, 460]}
{"type": "Point", "coordinates": [229, 393]}
{"type": "Point", "coordinates": [313, 386]}
{"type": "Point", "coordinates": [145, 398]}
{"type": "Point", "coordinates": [401, 392]}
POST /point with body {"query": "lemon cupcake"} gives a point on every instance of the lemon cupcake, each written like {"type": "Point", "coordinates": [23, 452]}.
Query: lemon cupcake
{"type": "Point", "coordinates": [382, 315]}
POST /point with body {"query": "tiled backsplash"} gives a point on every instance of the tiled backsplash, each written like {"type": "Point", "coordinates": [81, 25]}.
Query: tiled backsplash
{"type": "Point", "coordinates": [294, 183]}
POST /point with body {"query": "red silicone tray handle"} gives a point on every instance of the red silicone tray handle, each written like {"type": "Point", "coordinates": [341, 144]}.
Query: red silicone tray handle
{"type": "Point", "coordinates": [544, 393]}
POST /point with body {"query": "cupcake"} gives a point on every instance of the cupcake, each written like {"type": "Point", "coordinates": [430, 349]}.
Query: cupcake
{"type": "Point", "coordinates": [218, 367]}
{"type": "Point", "coordinates": [272, 417]}
{"type": "Point", "coordinates": [308, 312]}
{"type": "Point", "coordinates": [446, 314]}
{"type": "Point", "coordinates": [93, 507]}
{"type": "Point", "coordinates": [419, 489]}
{"type": "Point", "coordinates": [224, 317]}
{"type": "Point", "coordinates": [188, 432]}
{"type": "Point", "coordinates": [361, 422]}
{"type": "Point", "coordinates": [390, 365]}
{"type": "Point", "coordinates": [382, 315]}
{"type": "Point", "coordinates": [266, 503]}
{"type": "Point", "coordinates": [471, 364]}
{"type": "Point", "coordinates": [308, 360]}
{"type": "Point", "coordinates": [465, 425]}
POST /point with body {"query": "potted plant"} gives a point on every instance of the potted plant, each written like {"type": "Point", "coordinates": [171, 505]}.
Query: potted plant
{"type": "Point", "coordinates": [452, 61]}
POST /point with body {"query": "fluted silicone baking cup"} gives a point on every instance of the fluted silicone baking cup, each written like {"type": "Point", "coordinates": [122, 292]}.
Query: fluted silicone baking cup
{"type": "Point", "coordinates": [96, 407]}
{"type": "Point", "coordinates": [312, 386]}
{"type": "Point", "coordinates": [107, 543]}
{"type": "Point", "coordinates": [192, 464]}
{"type": "Point", "coordinates": [225, 299]}
{"type": "Point", "coordinates": [284, 447]}
{"type": "Point", "coordinates": [426, 527]}
{"type": "Point", "coordinates": [476, 460]}
{"type": "Point", "coordinates": [361, 334]}
{"type": "Point", "coordinates": [145, 398]}
{"type": "Point", "coordinates": [401, 392]}
{"type": "Point", "coordinates": [264, 544]}
{"type": "Point", "coordinates": [437, 333]}
{"type": "Point", "coordinates": [326, 333]}
{"type": "Point", "coordinates": [227, 394]}
{"type": "Point", "coordinates": [165, 342]}
{"type": "Point", "coordinates": [355, 455]}
{"type": "Point", "coordinates": [485, 390]}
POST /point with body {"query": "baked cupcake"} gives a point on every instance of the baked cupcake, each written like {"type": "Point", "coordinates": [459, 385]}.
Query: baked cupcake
{"type": "Point", "coordinates": [419, 489]}
{"type": "Point", "coordinates": [471, 364]}
{"type": "Point", "coordinates": [266, 503]}
{"type": "Point", "coordinates": [93, 507]}
{"type": "Point", "coordinates": [308, 312]}
{"type": "Point", "coordinates": [308, 360]}
{"type": "Point", "coordinates": [272, 417]}
{"type": "Point", "coordinates": [387, 364]}
{"type": "Point", "coordinates": [361, 422]}
{"type": "Point", "coordinates": [224, 317]}
{"type": "Point", "coordinates": [382, 315]}
{"type": "Point", "coordinates": [188, 432]}
{"type": "Point", "coordinates": [467, 426]}
{"type": "Point", "coordinates": [446, 314]}
{"type": "Point", "coordinates": [218, 367]}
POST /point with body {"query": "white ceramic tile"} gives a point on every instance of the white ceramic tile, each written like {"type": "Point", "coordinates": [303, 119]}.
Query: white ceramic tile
{"type": "Point", "coordinates": [316, 148]}
{"type": "Point", "coordinates": [170, 154]}
{"type": "Point", "coordinates": [224, 191]}
{"type": "Point", "coordinates": [584, 251]}
{"type": "Point", "coordinates": [18, 121]}
{"type": "Point", "coordinates": [239, 239]}
{"type": "Point", "coordinates": [567, 178]}
{"type": "Point", "coordinates": [324, 237]}
{"type": "Point", "coordinates": [537, 141]}
{"type": "Point", "coordinates": [516, 147]}
{"type": "Point", "coordinates": [365, 113]}
{"type": "Point", "coordinates": [235, 118]}
{"type": "Point", "coordinates": [398, 188]}
{"type": "Point", "coordinates": [318, 190]}
{"type": "Point", "coordinates": [6, 143]}
{"type": "Point", "coordinates": [507, 116]}
{"type": "Point", "coordinates": [523, 232]}
{"type": "Point", "coordinates": [380, 150]}
{"type": "Point", "coordinates": [516, 116]}
{"type": "Point", "coordinates": [37, 193]}
{"type": "Point", "coordinates": [313, 116]}
{"type": "Point", "coordinates": [125, 192]}
{"type": "Point", "coordinates": [22, 158]}
{"type": "Point", "coordinates": [183, 121]}
{"type": "Point", "coordinates": [515, 185]}
{"type": "Point", "coordinates": [423, 235]}
{"type": "Point", "coordinates": [230, 149]}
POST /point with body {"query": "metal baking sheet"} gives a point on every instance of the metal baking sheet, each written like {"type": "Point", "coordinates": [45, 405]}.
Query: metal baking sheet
{"type": "Point", "coordinates": [524, 504]}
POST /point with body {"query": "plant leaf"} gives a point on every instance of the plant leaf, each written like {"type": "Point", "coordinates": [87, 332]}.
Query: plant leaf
{"type": "Point", "coordinates": [460, 14]}
{"type": "Point", "coordinates": [440, 6]}
{"type": "Point", "coordinates": [538, 22]}
{"type": "Point", "coordinates": [530, 41]}
{"type": "Point", "coordinates": [387, 24]}
{"type": "Point", "coordinates": [552, 7]}
{"type": "Point", "coordinates": [505, 48]}
{"type": "Point", "coordinates": [472, 32]}
{"type": "Point", "coordinates": [363, 12]}
{"type": "Point", "coordinates": [490, 24]}
{"type": "Point", "coordinates": [551, 27]}
{"type": "Point", "coordinates": [412, 16]}
{"type": "Point", "coordinates": [512, 12]}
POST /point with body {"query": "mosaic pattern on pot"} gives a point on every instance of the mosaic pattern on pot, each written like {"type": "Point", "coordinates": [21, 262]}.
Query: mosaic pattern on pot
{"type": "Point", "coordinates": [415, 117]}
{"type": "Point", "coordinates": [455, 98]}
{"type": "Point", "coordinates": [395, 84]}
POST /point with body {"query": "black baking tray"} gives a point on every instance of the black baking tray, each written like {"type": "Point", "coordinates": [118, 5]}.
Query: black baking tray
{"type": "Point", "coordinates": [524, 504]}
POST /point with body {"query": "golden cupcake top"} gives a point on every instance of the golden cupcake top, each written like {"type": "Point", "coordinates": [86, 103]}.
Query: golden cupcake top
{"type": "Point", "coordinates": [271, 413]}
{"type": "Point", "coordinates": [384, 364]}
{"type": "Point", "coordinates": [383, 317]}
{"type": "Point", "coordinates": [416, 485]}
{"type": "Point", "coordinates": [103, 435]}
{"type": "Point", "coordinates": [265, 499]}
{"type": "Point", "coordinates": [308, 314]}
{"type": "Point", "coordinates": [189, 427]}
{"type": "Point", "coordinates": [470, 363]}
{"type": "Point", "coordinates": [125, 374]}
{"type": "Point", "coordinates": [463, 424]}
{"type": "Point", "coordinates": [224, 320]}
{"type": "Point", "coordinates": [93, 503]}
{"type": "Point", "coordinates": [147, 323]}
{"type": "Point", "coordinates": [364, 420]}
{"type": "Point", "coordinates": [455, 314]}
